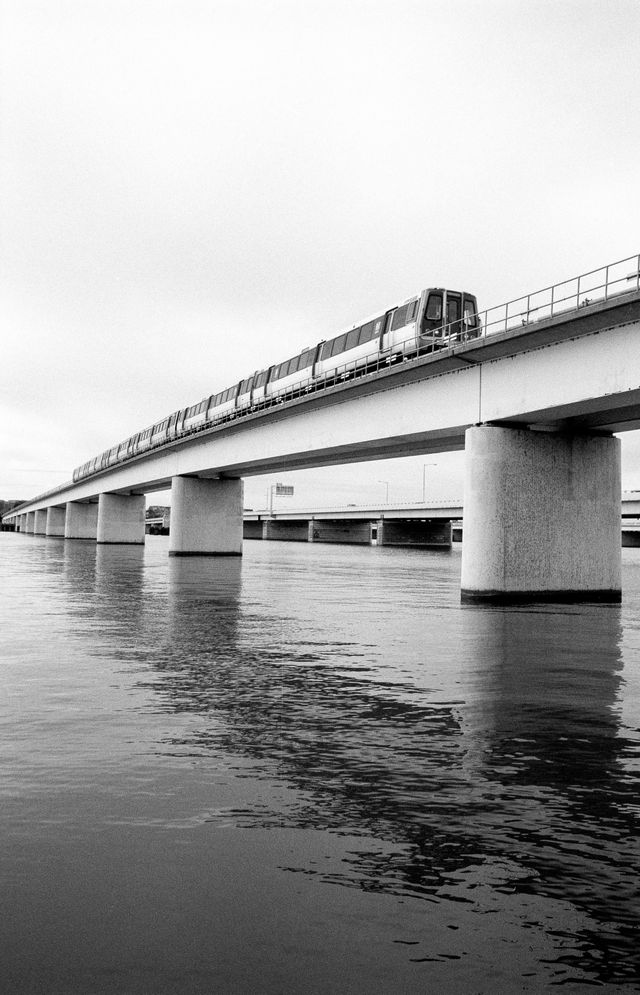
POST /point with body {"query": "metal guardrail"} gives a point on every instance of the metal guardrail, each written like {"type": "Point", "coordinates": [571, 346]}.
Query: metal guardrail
{"type": "Point", "coordinates": [570, 295]}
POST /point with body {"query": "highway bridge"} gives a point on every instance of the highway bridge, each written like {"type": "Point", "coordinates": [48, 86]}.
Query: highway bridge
{"type": "Point", "coordinates": [419, 523]}
{"type": "Point", "coordinates": [535, 402]}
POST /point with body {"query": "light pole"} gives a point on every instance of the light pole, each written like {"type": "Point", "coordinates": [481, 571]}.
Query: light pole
{"type": "Point", "coordinates": [424, 480]}
{"type": "Point", "coordinates": [386, 484]}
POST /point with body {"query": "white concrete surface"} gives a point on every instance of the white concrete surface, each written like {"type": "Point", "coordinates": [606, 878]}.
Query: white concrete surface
{"type": "Point", "coordinates": [541, 515]}
{"type": "Point", "coordinates": [56, 521]}
{"type": "Point", "coordinates": [31, 518]}
{"type": "Point", "coordinates": [81, 521]}
{"type": "Point", "coordinates": [206, 517]}
{"type": "Point", "coordinates": [121, 519]}
{"type": "Point", "coordinates": [40, 522]}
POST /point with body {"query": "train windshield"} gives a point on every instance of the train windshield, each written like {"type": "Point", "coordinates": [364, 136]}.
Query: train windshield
{"type": "Point", "coordinates": [434, 308]}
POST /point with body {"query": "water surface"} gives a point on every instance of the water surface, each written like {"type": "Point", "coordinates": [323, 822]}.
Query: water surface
{"type": "Point", "coordinates": [311, 770]}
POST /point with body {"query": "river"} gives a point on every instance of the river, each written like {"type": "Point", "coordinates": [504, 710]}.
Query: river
{"type": "Point", "coordinates": [311, 770]}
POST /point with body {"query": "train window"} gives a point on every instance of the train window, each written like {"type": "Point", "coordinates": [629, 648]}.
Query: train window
{"type": "Point", "coordinates": [306, 358]}
{"type": "Point", "coordinates": [404, 315]}
{"type": "Point", "coordinates": [434, 307]}
{"type": "Point", "coordinates": [368, 331]}
{"type": "Point", "coordinates": [353, 338]}
{"type": "Point", "coordinates": [327, 348]}
{"type": "Point", "coordinates": [470, 312]}
{"type": "Point", "coordinates": [245, 386]}
{"type": "Point", "coordinates": [338, 345]}
{"type": "Point", "coordinates": [453, 308]}
{"type": "Point", "coordinates": [261, 378]}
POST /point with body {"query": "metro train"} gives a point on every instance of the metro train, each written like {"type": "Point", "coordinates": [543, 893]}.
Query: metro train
{"type": "Point", "coordinates": [431, 320]}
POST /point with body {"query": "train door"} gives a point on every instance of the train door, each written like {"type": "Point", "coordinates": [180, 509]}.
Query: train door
{"type": "Point", "coordinates": [454, 315]}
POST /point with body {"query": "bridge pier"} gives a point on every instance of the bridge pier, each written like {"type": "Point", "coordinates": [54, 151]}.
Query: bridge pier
{"type": "Point", "coordinates": [40, 522]}
{"type": "Point", "coordinates": [541, 516]}
{"type": "Point", "coordinates": [121, 519]}
{"type": "Point", "coordinates": [55, 521]}
{"type": "Point", "coordinates": [206, 517]}
{"type": "Point", "coordinates": [81, 520]}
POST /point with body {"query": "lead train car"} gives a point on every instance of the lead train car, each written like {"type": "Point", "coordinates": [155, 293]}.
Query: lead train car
{"type": "Point", "coordinates": [433, 319]}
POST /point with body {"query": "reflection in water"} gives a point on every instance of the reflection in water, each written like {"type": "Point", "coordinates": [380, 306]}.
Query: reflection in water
{"type": "Point", "coordinates": [548, 685]}
{"type": "Point", "coordinates": [472, 758]}
{"type": "Point", "coordinates": [521, 786]}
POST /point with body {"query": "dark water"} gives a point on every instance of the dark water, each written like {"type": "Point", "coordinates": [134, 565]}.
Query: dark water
{"type": "Point", "coordinates": [311, 771]}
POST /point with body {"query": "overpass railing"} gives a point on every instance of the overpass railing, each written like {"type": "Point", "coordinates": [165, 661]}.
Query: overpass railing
{"type": "Point", "coordinates": [612, 280]}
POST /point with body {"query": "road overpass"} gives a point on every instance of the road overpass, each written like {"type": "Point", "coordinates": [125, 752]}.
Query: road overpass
{"type": "Point", "coordinates": [534, 402]}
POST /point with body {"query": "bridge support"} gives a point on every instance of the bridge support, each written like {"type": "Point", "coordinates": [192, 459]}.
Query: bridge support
{"type": "Point", "coordinates": [121, 519]}
{"type": "Point", "coordinates": [55, 521]}
{"type": "Point", "coordinates": [81, 520]}
{"type": "Point", "coordinates": [541, 516]}
{"type": "Point", "coordinates": [206, 517]}
{"type": "Point", "coordinates": [40, 522]}
{"type": "Point", "coordinates": [434, 534]}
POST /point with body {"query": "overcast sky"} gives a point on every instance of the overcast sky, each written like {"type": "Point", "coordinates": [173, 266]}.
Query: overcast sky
{"type": "Point", "coordinates": [195, 189]}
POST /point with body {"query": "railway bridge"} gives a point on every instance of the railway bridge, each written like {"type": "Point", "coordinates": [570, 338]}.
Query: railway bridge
{"type": "Point", "coordinates": [534, 402]}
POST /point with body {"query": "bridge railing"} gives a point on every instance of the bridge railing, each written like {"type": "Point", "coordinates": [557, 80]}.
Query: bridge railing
{"type": "Point", "coordinates": [612, 280]}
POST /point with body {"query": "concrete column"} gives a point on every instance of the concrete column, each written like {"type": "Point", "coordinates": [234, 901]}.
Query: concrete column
{"type": "Point", "coordinates": [206, 517]}
{"type": "Point", "coordinates": [121, 519]}
{"type": "Point", "coordinates": [40, 522]}
{"type": "Point", "coordinates": [55, 521]}
{"type": "Point", "coordinates": [430, 534]}
{"type": "Point", "coordinates": [541, 516]}
{"type": "Point", "coordinates": [81, 520]}
{"type": "Point", "coordinates": [31, 519]}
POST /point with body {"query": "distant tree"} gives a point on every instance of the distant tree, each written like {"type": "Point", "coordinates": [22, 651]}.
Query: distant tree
{"type": "Point", "coordinates": [6, 506]}
{"type": "Point", "coordinates": [156, 510]}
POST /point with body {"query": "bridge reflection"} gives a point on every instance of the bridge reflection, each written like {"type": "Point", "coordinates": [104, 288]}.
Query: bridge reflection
{"type": "Point", "coordinates": [520, 791]}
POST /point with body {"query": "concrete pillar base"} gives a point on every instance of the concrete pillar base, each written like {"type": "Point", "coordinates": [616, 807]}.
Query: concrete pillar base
{"type": "Point", "coordinates": [541, 517]}
{"type": "Point", "coordinates": [206, 517]}
{"type": "Point", "coordinates": [55, 521]}
{"type": "Point", "coordinates": [121, 519]}
{"type": "Point", "coordinates": [81, 520]}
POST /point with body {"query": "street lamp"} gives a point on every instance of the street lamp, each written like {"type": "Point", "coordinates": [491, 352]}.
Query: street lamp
{"type": "Point", "coordinates": [424, 480]}
{"type": "Point", "coordinates": [386, 484]}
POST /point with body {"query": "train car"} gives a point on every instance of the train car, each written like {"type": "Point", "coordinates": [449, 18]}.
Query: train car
{"type": "Point", "coordinates": [435, 319]}
{"type": "Point", "coordinates": [294, 372]}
